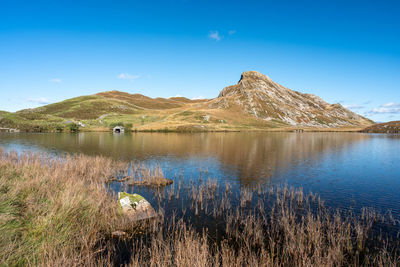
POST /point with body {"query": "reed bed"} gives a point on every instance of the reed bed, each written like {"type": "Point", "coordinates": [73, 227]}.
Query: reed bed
{"type": "Point", "coordinates": [59, 212]}
{"type": "Point", "coordinates": [141, 175]}
{"type": "Point", "coordinates": [264, 226]}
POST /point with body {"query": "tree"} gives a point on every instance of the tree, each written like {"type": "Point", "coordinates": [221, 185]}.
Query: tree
{"type": "Point", "coordinates": [59, 128]}
{"type": "Point", "coordinates": [73, 127]}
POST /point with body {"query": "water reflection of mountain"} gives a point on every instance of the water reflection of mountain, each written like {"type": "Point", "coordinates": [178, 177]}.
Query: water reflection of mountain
{"type": "Point", "coordinates": [253, 155]}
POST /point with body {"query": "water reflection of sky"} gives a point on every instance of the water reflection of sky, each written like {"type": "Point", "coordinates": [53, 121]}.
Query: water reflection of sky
{"type": "Point", "coordinates": [346, 169]}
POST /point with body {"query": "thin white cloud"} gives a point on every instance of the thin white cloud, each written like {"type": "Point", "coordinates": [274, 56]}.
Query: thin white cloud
{"type": "Point", "coordinates": [386, 111]}
{"type": "Point", "coordinates": [127, 76]}
{"type": "Point", "coordinates": [214, 35]}
{"type": "Point", "coordinates": [391, 105]}
{"type": "Point", "coordinates": [232, 32]}
{"type": "Point", "coordinates": [353, 107]}
{"type": "Point", "coordinates": [39, 100]}
{"type": "Point", "coordinates": [198, 97]}
{"type": "Point", "coordinates": [55, 80]}
{"type": "Point", "coordinates": [387, 108]}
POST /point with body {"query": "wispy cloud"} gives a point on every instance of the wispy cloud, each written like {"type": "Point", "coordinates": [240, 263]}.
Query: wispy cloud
{"type": "Point", "coordinates": [388, 108]}
{"type": "Point", "coordinates": [386, 111]}
{"type": "Point", "coordinates": [39, 100]}
{"type": "Point", "coordinates": [55, 80]}
{"type": "Point", "coordinates": [232, 32]}
{"type": "Point", "coordinates": [391, 105]}
{"type": "Point", "coordinates": [127, 76]}
{"type": "Point", "coordinates": [214, 35]}
{"type": "Point", "coordinates": [198, 97]}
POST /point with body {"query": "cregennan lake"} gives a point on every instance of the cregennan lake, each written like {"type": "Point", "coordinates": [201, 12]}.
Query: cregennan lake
{"type": "Point", "coordinates": [347, 170]}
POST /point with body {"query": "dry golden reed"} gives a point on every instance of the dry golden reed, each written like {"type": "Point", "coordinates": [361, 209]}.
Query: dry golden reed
{"type": "Point", "coordinates": [59, 211]}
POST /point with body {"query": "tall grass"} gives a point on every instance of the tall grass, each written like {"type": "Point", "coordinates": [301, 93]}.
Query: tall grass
{"type": "Point", "coordinates": [54, 210]}
{"type": "Point", "coordinates": [139, 174]}
{"type": "Point", "coordinates": [58, 211]}
{"type": "Point", "coordinates": [266, 227]}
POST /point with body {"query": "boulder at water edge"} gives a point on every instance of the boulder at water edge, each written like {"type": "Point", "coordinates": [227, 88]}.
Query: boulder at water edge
{"type": "Point", "coordinates": [135, 206]}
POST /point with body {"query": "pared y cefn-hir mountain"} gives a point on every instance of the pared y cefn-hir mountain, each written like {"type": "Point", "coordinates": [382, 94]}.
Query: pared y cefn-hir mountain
{"type": "Point", "coordinates": [259, 96]}
{"type": "Point", "coordinates": [255, 102]}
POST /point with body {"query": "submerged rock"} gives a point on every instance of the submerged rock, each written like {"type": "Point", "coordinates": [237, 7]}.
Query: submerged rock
{"type": "Point", "coordinates": [135, 206]}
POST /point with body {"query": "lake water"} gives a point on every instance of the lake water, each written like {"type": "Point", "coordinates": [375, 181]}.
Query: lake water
{"type": "Point", "coordinates": [348, 170]}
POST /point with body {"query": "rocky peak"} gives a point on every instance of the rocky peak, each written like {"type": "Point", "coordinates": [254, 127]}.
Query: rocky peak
{"type": "Point", "coordinates": [253, 75]}
{"type": "Point", "coordinates": [250, 80]}
{"type": "Point", "coordinates": [259, 96]}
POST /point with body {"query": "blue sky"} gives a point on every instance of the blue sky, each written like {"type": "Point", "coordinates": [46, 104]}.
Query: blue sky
{"type": "Point", "coordinates": [343, 51]}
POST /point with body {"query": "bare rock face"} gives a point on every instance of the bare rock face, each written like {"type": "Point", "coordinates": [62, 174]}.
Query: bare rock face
{"type": "Point", "coordinates": [259, 96]}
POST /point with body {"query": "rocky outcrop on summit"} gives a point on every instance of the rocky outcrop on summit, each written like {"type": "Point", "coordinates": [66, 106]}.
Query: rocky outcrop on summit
{"type": "Point", "coordinates": [259, 96]}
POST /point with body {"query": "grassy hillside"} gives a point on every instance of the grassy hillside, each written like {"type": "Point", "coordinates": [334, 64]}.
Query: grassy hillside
{"type": "Point", "coordinates": [86, 108]}
{"type": "Point", "coordinates": [102, 111]}
{"type": "Point", "coordinates": [387, 127]}
{"type": "Point", "coordinates": [29, 121]}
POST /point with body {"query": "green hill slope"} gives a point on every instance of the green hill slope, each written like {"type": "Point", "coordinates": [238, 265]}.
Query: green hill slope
{"type": "Point", "coordinates": [255, 103]}
{"type": "Point", "coordinates": [86, 108]}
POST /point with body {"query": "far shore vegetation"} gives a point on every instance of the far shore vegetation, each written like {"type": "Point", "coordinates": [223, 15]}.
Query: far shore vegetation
{"type": "Point", "coordinates": [62, 211]}
{"type": "Point", "coordinates": [138, 113]}
{"type": "Point", "coordinates": [75, 126]}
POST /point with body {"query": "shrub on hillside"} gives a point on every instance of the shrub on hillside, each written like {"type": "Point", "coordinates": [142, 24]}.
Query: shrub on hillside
{"type": "Point", "coordinates": [73, 127]}
{"type": "Point", "coordinates": [59, 128]}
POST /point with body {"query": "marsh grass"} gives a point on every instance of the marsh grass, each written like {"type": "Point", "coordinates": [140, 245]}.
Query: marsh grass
{"type": "Point", "coordinates": [264, 226]}
{"type": "Point", "coordinates": [54, 210]}
{"type": "Point", "coordinates": [58, 211]}
{"type": "Point", "coordinates": [141, 175]}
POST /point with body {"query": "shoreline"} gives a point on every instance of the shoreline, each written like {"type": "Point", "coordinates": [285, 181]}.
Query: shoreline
{"type": "Point", "coordinates": [199, 130]}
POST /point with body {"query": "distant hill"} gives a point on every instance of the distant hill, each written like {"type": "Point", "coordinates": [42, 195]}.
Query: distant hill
{"type": "Point", "coordinates": [386, 127]}
{"type": "Point", "coordinates": [256, 102]}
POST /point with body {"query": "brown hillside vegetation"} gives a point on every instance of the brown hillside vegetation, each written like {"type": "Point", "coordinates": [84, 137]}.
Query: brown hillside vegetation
{"type": "Point", "coordinates": [387, 127]}
{"type": "Point", "coordinates": [142, 101]}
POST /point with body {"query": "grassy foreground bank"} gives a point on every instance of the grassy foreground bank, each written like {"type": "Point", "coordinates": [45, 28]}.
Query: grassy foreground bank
{"type": "Point", "coordinates": [58, 212]}
{"type": "Point", "coordinates": [54, 212]}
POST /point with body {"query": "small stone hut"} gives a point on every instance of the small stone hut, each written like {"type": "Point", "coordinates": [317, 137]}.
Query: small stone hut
{"type": "Point", "coordinates": [118, 129]}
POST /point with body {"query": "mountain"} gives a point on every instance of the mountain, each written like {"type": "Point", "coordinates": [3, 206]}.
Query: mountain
{"type": "Point", "coordinates": [259, 96]}
{"type": "Point", "coordinates": [386, 127]}
{"type": "Point", "coordinates": [255, 102]}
